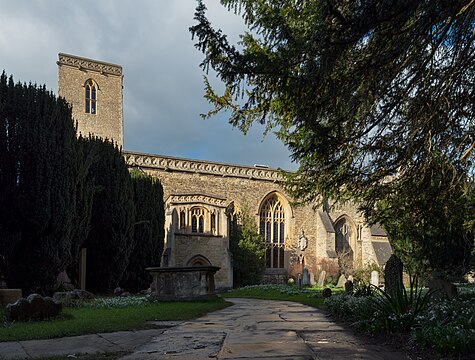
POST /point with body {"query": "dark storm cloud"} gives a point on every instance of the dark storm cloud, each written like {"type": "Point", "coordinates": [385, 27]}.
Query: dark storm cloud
{"type": "Point", "coordinates": [163, 85]}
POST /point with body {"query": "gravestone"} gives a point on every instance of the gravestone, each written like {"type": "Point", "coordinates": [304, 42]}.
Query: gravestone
{"type": "Point", "coordinates": [374, 278]}
{"type": "Point", "coordinates": [305, 277]}
{"type": "Point", "coordinates": [393, 276]}
{"type": "Point", "coordinates": [326, 293]}
{"type": "Point", "coordinates": [312, 279]}
{"type": "Point", "coordinates": [341, 281]}
{"type": "Point", "coordinates": [349, 287]}
{"type": "Point", "coordinates": [321, 278]}
{"type": "Point", "coordinates": [34, 307]}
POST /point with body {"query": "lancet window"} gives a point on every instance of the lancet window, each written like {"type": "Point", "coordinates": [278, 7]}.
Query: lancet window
{"type": "Point", "coordinates": [91, 97]}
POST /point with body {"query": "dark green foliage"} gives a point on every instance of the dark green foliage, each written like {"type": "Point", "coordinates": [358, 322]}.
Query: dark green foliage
{"type": "Point", "coordinates": [149, 231]}
{"type": "Point", "coordinates": [426, 218]}
{"type": "Point", "coordinates": [247, 248]}
{"type": "Point", "coordinates": [110, 241]}
{"type": "Point", "coordinates": [366, 95]}
{"type": "Point", "coordinates": [38, 186]}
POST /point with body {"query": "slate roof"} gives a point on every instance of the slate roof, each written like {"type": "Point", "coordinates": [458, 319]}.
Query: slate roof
{"type": "Point", "coordinates": [327, 223]}
{"type": "Point", "coordinates": [377, 230]}
{"type": "Point", "coordinates": [383, 251]}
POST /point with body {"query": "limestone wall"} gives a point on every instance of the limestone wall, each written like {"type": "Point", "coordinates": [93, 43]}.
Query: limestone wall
{"type": "Point", "coordinates": [73, 73]}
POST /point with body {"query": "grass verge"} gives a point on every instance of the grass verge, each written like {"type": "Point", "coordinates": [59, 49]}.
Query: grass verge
{"type": "Point", "coordinates": [307, 296]}
{"type": "Point", "coordinates": [82, 320]}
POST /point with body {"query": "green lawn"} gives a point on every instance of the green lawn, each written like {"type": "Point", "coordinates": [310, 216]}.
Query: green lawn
{"type": "Point", "coordinates": [87, 320]}
{"type": "Point", "coordinates": [307, 296]}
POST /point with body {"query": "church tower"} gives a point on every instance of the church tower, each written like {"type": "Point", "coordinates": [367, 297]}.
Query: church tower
{"type": "Point", "coordinates": [94, 89]}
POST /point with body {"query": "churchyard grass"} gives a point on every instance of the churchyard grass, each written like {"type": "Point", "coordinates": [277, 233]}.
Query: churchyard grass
{"type": "Point", "coordinates": [106, 315]}
{"type": "Point", "coordinates": [311, 296]}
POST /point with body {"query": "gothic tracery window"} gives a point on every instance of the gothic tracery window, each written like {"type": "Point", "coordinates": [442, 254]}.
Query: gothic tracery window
{"type": "Point", "coordinates": [197, 220]}
{"type": "Point", "coordinates": [91, 97]}
{"type": "Point", "coordinates": [272, 229]}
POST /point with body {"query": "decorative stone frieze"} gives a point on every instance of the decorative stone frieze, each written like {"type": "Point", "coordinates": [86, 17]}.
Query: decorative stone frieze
{"type": "Point", "coordinates": [169, 163]}
{"type": "Point", "coordinates": [182, 199]}
{"type": "Point", "coordinates": [83, 63]}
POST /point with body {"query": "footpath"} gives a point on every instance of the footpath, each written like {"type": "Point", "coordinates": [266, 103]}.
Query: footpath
{"type": "Point", "coordinates": [250, 329]}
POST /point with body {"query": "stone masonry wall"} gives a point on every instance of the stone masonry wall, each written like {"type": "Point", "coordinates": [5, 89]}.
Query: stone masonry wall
{"type": "Point", "coordinates": [214, 248]}
{"type": "Point", "coordinates": [73, 72]}
{"type": "Point", "coordinates": [244, 186]}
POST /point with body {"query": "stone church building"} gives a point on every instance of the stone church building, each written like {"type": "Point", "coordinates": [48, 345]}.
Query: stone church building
{"type": "Point", "coordinates": [202, 196]}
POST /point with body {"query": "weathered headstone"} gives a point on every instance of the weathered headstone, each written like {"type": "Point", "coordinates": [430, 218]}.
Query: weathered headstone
{"type": "Point", "coordinates": [374, 278]}
{"type": "Point", "coordinates": [393, 276]}
{"type": "Point", "coordinates": [321, 278]}
{"type": "Point", "coordinates": [349, 287]}
{"type": "Point", "coordinates": [312, 279]}
{"type": "Point", "coordinates": [326, 293]}
{"type": "Point", "coordinates": [305, 277]}
{"type": "Point", "coordinates": [34, 307]}
{"type": "Point", "coordinates": [341, 281]}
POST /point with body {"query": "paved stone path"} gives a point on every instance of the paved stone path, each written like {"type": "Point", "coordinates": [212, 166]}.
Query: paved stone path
{"type": "Point", "coordinates": [250, 329]}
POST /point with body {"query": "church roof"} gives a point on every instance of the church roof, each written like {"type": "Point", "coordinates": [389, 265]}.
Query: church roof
{"type": "Point", "coordinates": [383, 251]}
{"type": "Point", "coordinates": [378, 230]}
{"type": "Point", "coordinates": [327, 223]}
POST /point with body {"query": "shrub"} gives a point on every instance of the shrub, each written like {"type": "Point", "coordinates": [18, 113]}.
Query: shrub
{"type": "Point", "coordinates": [246, 245]}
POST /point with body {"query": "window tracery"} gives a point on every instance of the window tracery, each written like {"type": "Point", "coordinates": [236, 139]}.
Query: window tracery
{"type": "Point", "coordinates": [272, 227]}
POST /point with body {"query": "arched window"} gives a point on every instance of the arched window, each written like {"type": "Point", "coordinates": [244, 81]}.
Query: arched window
{"type": "Point", "coordinates": [272, 229]}
{"type": "Point", "coordinates": [197, 220]}
{"type": "Point", "coordinates": [345, 238]}
{"type": "Point", "coordinates": [182, 219]}
{"type": "Point", "coordinates": [91, 97]}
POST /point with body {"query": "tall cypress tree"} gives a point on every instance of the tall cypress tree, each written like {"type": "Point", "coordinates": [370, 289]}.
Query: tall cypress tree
{"type": "Point", "coordinates": [110, 241]}
{"type": "Point", "coordinates": [37, 185]}
{"type": "Point", "coordinates": [149, 231]}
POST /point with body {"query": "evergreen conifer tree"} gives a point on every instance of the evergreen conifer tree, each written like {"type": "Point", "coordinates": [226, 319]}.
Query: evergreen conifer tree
{"type": "Point", "coordinates": [110, 241]}
{"type": "Point", "coordinates": [149, 231]}
{"type": "Point", "coordinates": [37, 185]}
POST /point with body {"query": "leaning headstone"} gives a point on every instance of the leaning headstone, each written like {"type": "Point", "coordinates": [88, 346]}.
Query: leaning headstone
{"type": "Point", "coordinates": [305, 277]}
{"type": "Point", "coordinates": [349, 287]}
{"type": "Point", "coordinates": [321, 278]}
{"type": "Point", "coordinates": [326, 293]}
{"type": "Point", "coordinates": [374, 278]}
{"type": "Point", "coordinates": [393, 276]}
{"type": "Point", "coordinates": [341, 281]}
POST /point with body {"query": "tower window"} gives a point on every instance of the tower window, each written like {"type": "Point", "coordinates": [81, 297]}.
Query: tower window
{"type": "Point", "coordinates": [91, 97]}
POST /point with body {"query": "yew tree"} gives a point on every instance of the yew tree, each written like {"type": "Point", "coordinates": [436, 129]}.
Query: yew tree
{"type": "Point", "coordinates": [363, 93]}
